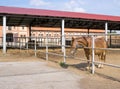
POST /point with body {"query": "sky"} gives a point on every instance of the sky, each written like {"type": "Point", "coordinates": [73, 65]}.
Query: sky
{"type": "Point", "coordinates": [107, 7]}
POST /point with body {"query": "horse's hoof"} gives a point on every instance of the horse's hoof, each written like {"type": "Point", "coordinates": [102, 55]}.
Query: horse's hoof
{"type": "Point", "coordinates": [87, 68]}
{"type": "Point", "coordinates": [99, 66]}
{"type": "Point", "coordinates": [102, 65]}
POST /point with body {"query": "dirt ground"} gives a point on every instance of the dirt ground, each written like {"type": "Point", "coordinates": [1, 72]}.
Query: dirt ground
{"type": "Point", "coordinates": [105, 78]}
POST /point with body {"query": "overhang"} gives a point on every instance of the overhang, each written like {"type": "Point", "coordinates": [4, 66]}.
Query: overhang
{"type": "Point", "coordinates": [51, 18]}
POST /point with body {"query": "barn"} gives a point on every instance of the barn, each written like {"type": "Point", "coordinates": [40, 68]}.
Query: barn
{"type": "Point", "coordinates": [15, 16]}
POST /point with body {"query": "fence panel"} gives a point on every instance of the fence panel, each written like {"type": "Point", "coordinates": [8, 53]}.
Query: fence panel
{"type": "Point", "coordinates": [50, 48]}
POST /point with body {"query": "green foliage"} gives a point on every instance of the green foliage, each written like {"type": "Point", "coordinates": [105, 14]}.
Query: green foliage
{"type": "Point", "coordinates": [63, 64]}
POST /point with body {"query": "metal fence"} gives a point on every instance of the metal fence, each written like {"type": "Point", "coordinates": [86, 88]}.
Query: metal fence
{"type": "Point", "coordinates": [18, 42]}
{"type": "Point", "coordinates": [94, 58]}
{"type": "Point", "coordinates": [50, 42]}
{"type": "Point", "coordinates": [24, 42]}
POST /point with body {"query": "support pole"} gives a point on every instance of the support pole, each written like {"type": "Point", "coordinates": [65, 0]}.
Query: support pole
{"type": "Point", "coordinates": [64, 55]}
{"type": "Point", "coordinates": [47, 47]}
{"type": "Point", "coordinates": [4, 34]}
{"type": "Point", "coordinates": [62, 35]}
{"type": "Point", "coordinates": [110, 38]}
{"type": "Point", "coordinates": [30, 33]}
{"type": "Point", "coordinates": [63, 40]}
{"type": "Point", "coordinates": [35, 44]}
{"type": "Point", "coordinates": [93, 55]}
{"type": "Point", "coordinates": [106, 29]}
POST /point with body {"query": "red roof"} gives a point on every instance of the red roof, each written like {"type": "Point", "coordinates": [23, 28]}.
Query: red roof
{"type": "Point", "coordinates": [53, 13]}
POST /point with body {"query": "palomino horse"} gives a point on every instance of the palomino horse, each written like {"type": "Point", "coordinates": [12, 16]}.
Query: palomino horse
{"type": "Point", "coordinates": [86, 42]}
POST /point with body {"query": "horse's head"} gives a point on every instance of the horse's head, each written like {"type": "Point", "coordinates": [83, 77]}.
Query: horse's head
{"type": "Point", "coordinates": [78, 42]}
{"type": "Point", "coordinates": [73, 45]}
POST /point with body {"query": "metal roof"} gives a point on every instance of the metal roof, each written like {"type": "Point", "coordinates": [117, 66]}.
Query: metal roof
{"type": "Point", "coordinates": [40, 12]}
{"type": "Point", "coordinates": [29, 16]}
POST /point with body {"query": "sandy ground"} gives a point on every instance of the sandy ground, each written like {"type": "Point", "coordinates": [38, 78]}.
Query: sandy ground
{"type": "Point", "coordinates": [36, 75]}
{"type": "Point", "coordinates": [105, 78]}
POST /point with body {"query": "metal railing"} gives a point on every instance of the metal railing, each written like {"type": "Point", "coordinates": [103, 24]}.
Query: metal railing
{"type": "Point", "coordinates": [54, 42]}
{"type": "Point", "coordinates": [93, 54]}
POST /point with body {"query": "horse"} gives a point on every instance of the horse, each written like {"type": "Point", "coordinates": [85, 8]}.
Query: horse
{"type": "Point", "coordinates": [86, 43]}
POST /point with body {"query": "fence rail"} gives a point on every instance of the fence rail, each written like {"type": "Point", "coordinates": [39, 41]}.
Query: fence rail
{"type": "Point", "coordinates": [17, 42]}
{"type": "Point", "coordinates": [55, 42]}
{"type": "Point", "coordinates": [93, 54]}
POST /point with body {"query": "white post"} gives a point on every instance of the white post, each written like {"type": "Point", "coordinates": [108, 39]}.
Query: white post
{"type": "Point", "coordinates": [35, 46]}
{"type": "Point", "coordinates": [64, 54]}
{"type": "Point", "coordinates": [63, 40]}
{"type": "Point", "coordinates": [27, 43]}
{"type": "Point", "coordinates": [93, 55]}
{"type": "Point", "coordinates": [62, 34]}
{"type": "Point", "coordinates": [106, 29]}
{"type": "Point", "coordinates": [47, 47]}
{"type": "Point", "coordinates": [4, 34]}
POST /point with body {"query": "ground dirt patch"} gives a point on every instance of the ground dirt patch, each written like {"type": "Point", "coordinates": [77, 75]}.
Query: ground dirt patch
{"type": "Point", "coordinates": [106, 78]}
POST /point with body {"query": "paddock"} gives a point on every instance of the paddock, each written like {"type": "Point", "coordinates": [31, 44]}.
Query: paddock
{"type": "Point", "coordinates": [56, 49]}
{"type": "Point", "coordinates": [51, 51]}
{"type": "Point", "coordinates": [17, 55]}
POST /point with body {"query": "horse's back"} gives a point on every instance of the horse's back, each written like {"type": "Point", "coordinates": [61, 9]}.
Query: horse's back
{"type": "Point", "coordinates": [100, 42]}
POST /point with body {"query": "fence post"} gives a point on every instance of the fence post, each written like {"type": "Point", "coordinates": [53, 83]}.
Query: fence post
{"type": "Point", "coordinates": [47, 47]}
{"type": "Point", "coordinates": [27, 45]}
{"type": "Point", "coordinates": [4, 35]}
{"type": "Point", "coordinates": [20, 44]}
{"type": "Point", "coordinates": [64, 51]}
{"type": "Point", "coordinates": [63, 34]}
{"type": "Point", "coordinates": [64, 54]}
{"type": "Point", "coordinates": [35, 46]}
{"type": "Point", "coordinates": [93, 54]}
{"type": "Point", "coordinates": [106, 29]}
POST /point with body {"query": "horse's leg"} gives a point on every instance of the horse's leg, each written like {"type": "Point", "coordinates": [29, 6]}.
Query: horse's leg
{"type": "Point", "coordinates": [103, 58]}
{"type": "Point", "coordinates": [88, 62]}
{"type": "Point", "coordinates": [99, 57]}
{"type": "Point", "coordinates": [88, 58]}
{"type": "Point", "coordinates": [73, 50]}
